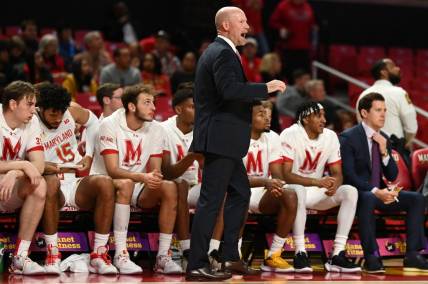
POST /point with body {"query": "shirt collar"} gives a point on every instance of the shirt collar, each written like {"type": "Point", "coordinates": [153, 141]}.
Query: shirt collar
{"type": "Point", "coordinates": [368, 130]}
{"type": "Point", "coordinates": [383, 82]}
{"type": "Point", "coordinates": [229, 42]}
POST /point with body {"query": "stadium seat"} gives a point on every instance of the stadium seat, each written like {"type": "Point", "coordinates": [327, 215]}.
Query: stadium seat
{"type": "Point", "coordinates": [401, 55]}
{"type": "Point", "coordinates": [285, 121]}
{"type": "Point", "coordinates": [89, 101]}
{"type": "Point", "coordinates": [45, 31]}
{"type": "Point", "coordinates": [79, 35]}
{"type": "Point", "coordinates": [163, 108]}
{"type": "Point", "coordinates": [355, 91]}
{"type": "Point", "coordinates": [10, 31]}
{"type": "Point", "coordinates": [404, 178]}
{"type": "Point", "coordinates": [343, 58]}
{"type": "Point", "coordinates": [367, 56]}
{"type": "Point", "coordinates": [419, 166]}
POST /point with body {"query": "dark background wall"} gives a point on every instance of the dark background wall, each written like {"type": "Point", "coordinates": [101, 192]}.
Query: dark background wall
{"type": "Point", "coordinates": [190, 21]}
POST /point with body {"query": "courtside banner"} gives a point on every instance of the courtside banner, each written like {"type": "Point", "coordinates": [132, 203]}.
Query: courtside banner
{"type": "Point", "coordinates": [312, 242]}
{"type": "Point", "coordinates": [392, 246]}
{"type": "Point", "coordinates": [134, 242]}
{"type": "Point", "coordinates": [67, 241]}
{"type": "Point", "coordinates": [353, 248]}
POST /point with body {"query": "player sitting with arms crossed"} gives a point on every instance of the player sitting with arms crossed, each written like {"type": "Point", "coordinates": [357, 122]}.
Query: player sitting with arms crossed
{"type": "Point", "coordinates": [130, 151]}
{"type": "Point", "coordinates": [308, 148]}
{"type": "Point", "coordinates": [95, 193]}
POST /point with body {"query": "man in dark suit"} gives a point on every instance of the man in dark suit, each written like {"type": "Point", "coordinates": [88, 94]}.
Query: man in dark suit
{"type": "Point", "coordinates": [223, 107]}
{"type": "Point", "coordinates": [366, 157]}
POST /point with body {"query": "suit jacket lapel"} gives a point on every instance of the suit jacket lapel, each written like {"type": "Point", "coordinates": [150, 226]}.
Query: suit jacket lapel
{"type": "Point", "coordinates": [222, 41]}
{"type": "Point", "coordinates": [365, 146]}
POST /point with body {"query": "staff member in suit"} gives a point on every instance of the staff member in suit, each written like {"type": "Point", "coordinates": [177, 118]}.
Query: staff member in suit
{"type": "Point", "coordinates": [223, 107]}
{"type": "Point", "coordinates": [366, 157]}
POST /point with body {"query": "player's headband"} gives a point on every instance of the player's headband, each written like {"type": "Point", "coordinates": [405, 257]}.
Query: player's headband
{"type": "Point", "coordinates": [307, 112]}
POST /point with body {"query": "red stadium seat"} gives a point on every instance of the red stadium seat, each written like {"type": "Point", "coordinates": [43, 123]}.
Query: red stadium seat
{"type": "Point", "coordinates": [404, 178]}
{"type": "Point", "coordinates": [343, 57]}
{"type": "Point", "coordinates": [419, 166]}
{"type": "Point", "coordinates": [163, 108]}
{"type": "Point", "coordinates": [10, 31]}
{"type": "Point", "coordinates": [401, 55]}
{"type": "Point", "coordinates": [79, 35]}
{"type": "Point", "coordinates": [355, 91]}
{"type": "Point", "coordinates": [367, 56]}
{"type": "Point", "coordinates": [285, 121]}
{"type": "Point", "coordinates": [89, 101]}
{"type": "Point", "coordinates": [45, 31]}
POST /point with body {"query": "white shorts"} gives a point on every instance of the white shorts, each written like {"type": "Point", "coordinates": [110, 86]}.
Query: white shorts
{"type": "Point", "coordinates": [69, 185]}
{"type": "Point", "coordinates": [193, 196]}
{"type": "Point", "coordinates": [138, 189]}
{"type": "Point", "coordinates": [256, 195]}
{"type": "Point", "coordinates": [14, 202]}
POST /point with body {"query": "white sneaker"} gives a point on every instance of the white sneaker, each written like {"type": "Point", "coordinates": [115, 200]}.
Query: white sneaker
{"type": "Point", "coordinates": [100, 262]}
{"type": "Point", "coordinates": [22, 264]}
{"type": "Point", "coordinates": [53, 260]}
{"type": "Point", "coordinates": [125, 265]}
{"type": "Point", "coordinates": [165, 265]}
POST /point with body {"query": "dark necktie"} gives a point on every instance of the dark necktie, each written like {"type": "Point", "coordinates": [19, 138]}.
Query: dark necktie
{"type": "Point", "coordinates": [376, 166]}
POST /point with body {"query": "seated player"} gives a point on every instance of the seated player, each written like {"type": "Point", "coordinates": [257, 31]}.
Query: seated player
{"type": "Point", "coordinates": [92, 193]}
{"type": "Point", "coordinates": [309, 149]}
{"type": "Point", "coordinates": [130, 151]}
{"type": "Point", "coordinates": [178, 164]}
{"type": "Point", "coordinates": [21, 167]}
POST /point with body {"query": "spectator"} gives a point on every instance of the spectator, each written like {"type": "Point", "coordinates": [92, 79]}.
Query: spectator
{"type": "Point", "coordinates": [17, 51]}
{"type": "Point", "coordinates": [80, 80]}
{"type": "Point", "coordinates": [121, 72]}
{"type": "Point", "coordinates": [187, 74]}
{"type": "Point", "coordinates": [67, 46]}
{"type": "Point", "coordinates": [95, 53]}
{"type": "Point", "coordinates": [295, 22]}
{"type": "Point", "coordinates": [346, 120]}
{"type": "Point", "coordinates": [6, 68]}
{"type": "Point", "coordinates": [48, 48]}
{"type": "Point", "coordinates": [152, 75]}
{"type": "Point", "coordinates": [316, 93]}
{"type": "Point", "coordinates": [29, 36]}
{"type": "Point", "coordinates": [295, 95]}
{"type": "Point", "coordinates": [270, 69]}
{"type": "Point", "coordinates": [400, 121]}
{"type": "Point", "coordinates": [137, 55]}
{"type": "Point", "coordinates": [123, 28]}
{"type": "Point", "coordinates": [35, 71]}
{"type": "Point", "coordinates": [253, 9]}
{"type": "Point", "coordinates": [169, 62]}
{"type": "Point", "coordinates": [250, 61]}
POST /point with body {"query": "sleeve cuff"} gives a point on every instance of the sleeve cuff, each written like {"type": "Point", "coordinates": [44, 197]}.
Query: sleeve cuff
{"type": "Point", "coordinates": [374, 190]}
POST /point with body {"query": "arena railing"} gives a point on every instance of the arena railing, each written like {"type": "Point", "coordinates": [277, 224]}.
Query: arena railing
{"type": "Point", "coordinates": [316, 65]}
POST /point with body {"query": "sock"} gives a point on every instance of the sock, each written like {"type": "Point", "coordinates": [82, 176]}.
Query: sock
{"type": "Point", "coordinates": [120, 242]}
{"type": "Point", "coordinates": [239, 247]}
{"type": "Point", "coordinates": [100, 240]}
{"type": "Point", "coordinates": [214, 244]}
{"type": "Point", "coordinates": [339, 244]}
{"type": "Point", "coordinates": [164, 243]}
{"type": "Point", "coordinates": [277, 244]}
{"type": "Point", "coordinates": [299, 243]}
{"type": "Point", "coordinates": [120, 226]}
{"type": "Point", "coordinates": [185, 244]}
{"type": "Point", "coordinates": [51, 240]}
{"type": "Point", "coordinates": [22, 247]}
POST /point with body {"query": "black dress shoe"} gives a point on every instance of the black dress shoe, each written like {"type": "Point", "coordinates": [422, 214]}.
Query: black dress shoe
{"type": "Point", "coordinates": [414, 262]}
{"type": "Point", "coordinates": [239, 267]}
{"type": "Point", "coordinates": [373, 264]}
{"type": "Point", "coordinates": [206, 274]}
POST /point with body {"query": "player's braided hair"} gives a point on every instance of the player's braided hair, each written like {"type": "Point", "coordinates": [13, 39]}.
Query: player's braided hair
{"type": "Point", "coordinates": [306, 109]}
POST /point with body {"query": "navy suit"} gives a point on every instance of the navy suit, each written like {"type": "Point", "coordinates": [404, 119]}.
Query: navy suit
{"type": "Point", "coordinates": [223, 111]}
{"type": "Point", "coordinates": [357, 166]}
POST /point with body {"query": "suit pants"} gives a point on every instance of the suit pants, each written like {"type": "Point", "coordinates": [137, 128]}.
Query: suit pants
{"type": "Point", "coordinates": [410, 202]}
{"type": "Point", "coordinates": [220, 175]}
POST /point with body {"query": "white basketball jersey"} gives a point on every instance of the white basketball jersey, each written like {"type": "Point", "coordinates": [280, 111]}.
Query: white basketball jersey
{"type": "Point", "coordinates": [16, 143]}
{"type": "Point", "coordinates": [134, 148]}
{"type": "Point", "coordinates": [261, 153]}
{"type": "Point", "coordinates": [309, 156]}
{"type": "Point", "coordinates": [177, 144]}
{"type": "Point", "coordinates": [60, 144]}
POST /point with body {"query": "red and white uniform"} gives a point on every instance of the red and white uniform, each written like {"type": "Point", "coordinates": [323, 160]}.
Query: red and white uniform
{"type": "Point", "coordinates": [134, 148]}
{"type": "Point", "coordinates": [261, 154]}
{"type": "Point", "coordinates": [177, 145]}
{"type": "Point", "coordinates": [61, 147]}
{"type": "Point", "coordinates": [15, 144]}
{"type": "Point", "coordinates": [309, 156]}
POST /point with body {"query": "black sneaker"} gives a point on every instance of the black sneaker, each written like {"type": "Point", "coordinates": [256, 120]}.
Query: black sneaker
{"type": "Point", "coordinates": [373, 264]}
{"type": "Point", "coordinates": [301, 263]}
{"type": "Point", "coordinates": [185, 259]}
{"type": "Point", "coordinates": [215, 260]}
{"type": "Point", "coordinates": [339, 263]}
{"type": "Point", "coordinates": [415, 263]}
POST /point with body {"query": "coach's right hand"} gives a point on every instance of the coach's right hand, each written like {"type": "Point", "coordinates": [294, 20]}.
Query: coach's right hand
{"type": "Point", "coordinates": [275, 86]}
{"type": "Point", "coordinates": [385, 195]}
